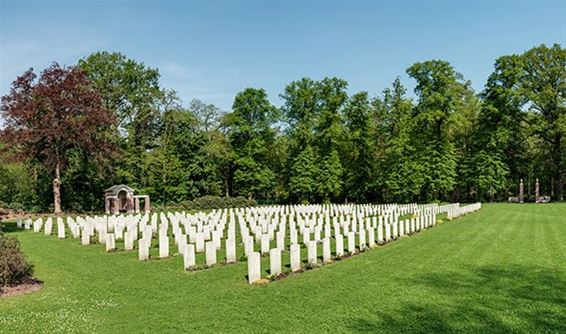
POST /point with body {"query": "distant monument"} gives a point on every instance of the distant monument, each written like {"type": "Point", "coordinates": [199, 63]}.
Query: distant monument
{"type": "Point", "coordinates": [521, 197]}
{"type": "Point", "coordinates": [521, 192]}
{"type": "Point", "coordinates": [121, 199]}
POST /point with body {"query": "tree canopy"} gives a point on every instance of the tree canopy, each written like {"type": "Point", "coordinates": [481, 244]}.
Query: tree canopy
{"type": "Point", "coordinates": [325, 143]}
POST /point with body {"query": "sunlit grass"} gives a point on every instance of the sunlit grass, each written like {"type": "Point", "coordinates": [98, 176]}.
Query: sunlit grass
{"type": "Point", "coordinates": [502, 269]}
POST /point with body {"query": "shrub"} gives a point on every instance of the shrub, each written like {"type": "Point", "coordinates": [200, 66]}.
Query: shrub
{"type": "Point", "coordinates": [14, 267]}
{"type": "Point", "coordinates": [215, 202]}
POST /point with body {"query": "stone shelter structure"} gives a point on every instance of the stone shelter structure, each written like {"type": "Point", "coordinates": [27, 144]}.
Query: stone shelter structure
{"type": "Point", "coordinates": [121, 199]}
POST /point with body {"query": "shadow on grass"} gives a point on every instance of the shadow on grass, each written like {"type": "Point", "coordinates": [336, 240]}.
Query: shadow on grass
{"type": "Point", "coordinates": [9, 227]}
{"type": "Point", "coordinates": [488, 299]}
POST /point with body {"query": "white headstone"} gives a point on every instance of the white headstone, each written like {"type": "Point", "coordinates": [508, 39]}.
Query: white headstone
{"type": "Point", "coordinates": [248, 245]}
{"type": "Point", "coordinates": [395, 232]}
{"type": "Point", "coordinates": [362, 239]}
{"type": "Point", "coordinates": [339, 245]}
{"type": "Point", "coordinates": [264, 243]}
{"type": "Point", "coordinates": [371, 237]}
{"type": "Point", "coordinates": [210, 248]}
{"type": "Point", "coordinates": [85, 237]}
{"type": "Point", "coordinates": [311, 252]}
{"type": "Point", "coordinates": [254, 267]}
{"type": "Point", "coordinates": [295, 255]}
{"type": "Point", "coordinates": [143, 249]}
{"type": "Point", "coordinates": [110, 242]}
{"type": "Point", "coordinates": [281, 240]}
{"type": "Point", "coordinates": [199, 238]}
{"type": "Point", "coordinates": [129, 241]}
{"type": "Point", "coordinates": [380, 238]}
{"type": "Point", "coordinates": [275, 261]}
{"type": "Point", "coordinates": [189, 259]}
{"type": "Point", "coordinates": [163, 246]}
{"type": "Point", "coordinates": [231, 250]}
{"type": "Point", "coordinates": [326, 254]}
{"type": "Point", "coordinates": [48, 226]}
{"type": "Point", "coordinates": [352, 242]}
{"type": "Point", "coordinates": [60, 229]}
{"type": "Point", "coordinates": [181, 243]}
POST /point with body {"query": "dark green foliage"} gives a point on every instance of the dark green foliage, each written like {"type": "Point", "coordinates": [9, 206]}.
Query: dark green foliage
{"type": "Point", "coordinates": [449, 144]}
{"type": "Point", "coordinates": [252, 137]}
{"type": "Point", "coordinates": [359, 153]}
{"type": "Point", "coordinates": [304, 174]}
{"type": "Point", "coordinates": [215, 202]}
{"type": "Point", "coordinates": [14, 267]}
{"type": "Point", "coordinates": [330, 178]}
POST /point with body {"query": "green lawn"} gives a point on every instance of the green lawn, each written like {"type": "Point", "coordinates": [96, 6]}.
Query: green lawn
{"type": "Point", "coordinates": [500, 270]}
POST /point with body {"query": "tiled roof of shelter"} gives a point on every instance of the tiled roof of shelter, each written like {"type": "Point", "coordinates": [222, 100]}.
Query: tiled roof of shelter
{"type": "Point", "coordinates": [117, 188]}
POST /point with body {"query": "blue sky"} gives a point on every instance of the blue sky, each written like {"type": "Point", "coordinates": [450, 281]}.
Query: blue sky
{"type": "Point", "coordinates": [212, 50]}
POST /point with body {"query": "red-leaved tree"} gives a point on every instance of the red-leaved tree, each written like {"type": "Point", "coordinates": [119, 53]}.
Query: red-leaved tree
{"type": "Point", "coordinates": [46, 118]}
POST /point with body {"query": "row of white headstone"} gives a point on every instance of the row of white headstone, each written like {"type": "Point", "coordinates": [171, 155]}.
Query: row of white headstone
{"type": "Point", "coordinates": [362, 226]}
{"type": "Point", "coordinates": [373, 231]}
{"type": "Point", "coordinates": [457, 211]}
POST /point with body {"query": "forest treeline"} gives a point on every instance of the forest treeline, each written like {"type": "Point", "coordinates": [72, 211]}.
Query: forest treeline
{"type": "Point", "coordinates": [448, 143]}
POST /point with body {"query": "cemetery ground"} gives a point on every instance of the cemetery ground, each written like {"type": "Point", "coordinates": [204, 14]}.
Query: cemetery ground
{"type": "Point", "coordinates": [499, 270]}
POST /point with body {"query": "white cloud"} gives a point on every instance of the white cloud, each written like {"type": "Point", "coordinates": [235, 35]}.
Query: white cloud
{"type": "Point", "coordinates": [173, 71]}
{"type": "Point", "coordinates": [17, 56]}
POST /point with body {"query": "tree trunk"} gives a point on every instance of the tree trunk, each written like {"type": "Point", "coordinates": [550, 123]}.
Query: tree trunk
{"type": "Point", "coordinates": [57, 189]}
{"type": "Point", "coordinates": [559, 193]}
{"type": "Point", "coordinates": [226, 187]}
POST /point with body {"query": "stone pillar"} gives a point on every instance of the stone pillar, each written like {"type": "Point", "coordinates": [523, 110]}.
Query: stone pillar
{"type": "Point", "coordinates": [146, 205]}
{"type": "Point", "coordinates": [537, 192]}
{"type": "Point", "coordinates": [521, 191]}
{"type": "Point", "coordinates": [106, 205]}
{"type": "Point", "coordinates": [115, 206]}
{"type": "Point", "coordinates": [136, 204]}
{"type": "Point", "coordinates": [130, 207]}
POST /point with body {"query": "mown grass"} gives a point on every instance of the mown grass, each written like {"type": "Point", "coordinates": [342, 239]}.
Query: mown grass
{"type": "Point", "coordinates": [500, 270]}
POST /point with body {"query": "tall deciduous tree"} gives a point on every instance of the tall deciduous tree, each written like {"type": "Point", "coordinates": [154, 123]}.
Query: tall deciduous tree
{"type": "Point", "coordinates": [543, 87]}
{"type": "Point", "coordinates": [441, 92]}
{"type": "Point", "coordinates": [49, 118]}
{"type": "Point", "coordinates": [400, 174]}
{"type": "Point", "coordinates": [251, 135]}
{"type": "Point", "coordinates": [303, 177]}
{"type": "Point", "coordinates": [131, 90]}
{"type": "Point", "coordinates": [359, 151]}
